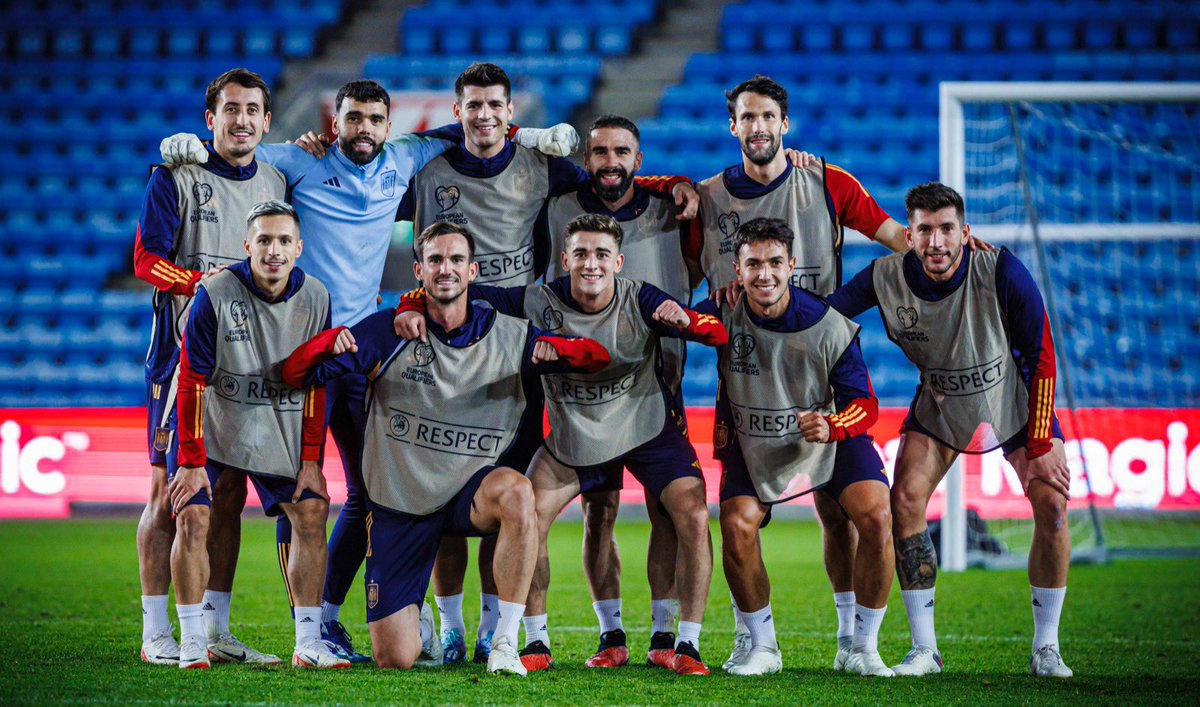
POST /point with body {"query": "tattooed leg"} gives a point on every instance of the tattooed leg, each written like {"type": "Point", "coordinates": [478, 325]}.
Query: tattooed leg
{"type": "Point", "coordinates": [916, 561]}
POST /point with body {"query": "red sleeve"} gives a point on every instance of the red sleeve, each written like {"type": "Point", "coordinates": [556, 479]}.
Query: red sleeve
{"type": "Point", "coordinates": [190, 413]}
{"type": "Point", "coordinates": [693, 239]}
{"type": "Point", "coordinates": [1041, 396]}
{"type": "Point", "coordinates": [308, 356]}
{"type": "Point", "coordinates": [855, 419]}
{"type": "Point", "coordinates": [856, 208]}
{"type": "Point", "coordinates": [162, 273]}
{"type": "Point", "coordinates": [412, 301]}
{"type": "Point", "coordinates": [580, 353]}
{"type": "Point", "coordinates": [706, 329]}
{"type": "Point", "coordinates": [314, 424]}
{"type": "Point", "coordinates": [660, 185]}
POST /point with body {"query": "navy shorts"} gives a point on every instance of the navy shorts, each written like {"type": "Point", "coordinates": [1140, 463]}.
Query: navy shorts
{"type": "Point", "coordinates": [160, 421]}
{"type": "Point", "coordinates": [272, 490]}
{"type": "Point", "coordinates": [401, 548]}
{"type": "Point", "coordinates": [1012, 444]}
{"type": "Point", "coordinates": [655, 464]}
{"type": "Point", "coordinates": [854, 460]}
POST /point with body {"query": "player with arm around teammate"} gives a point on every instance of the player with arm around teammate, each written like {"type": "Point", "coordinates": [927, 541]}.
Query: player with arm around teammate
{"type": "Point", "coordinates": [441, 414]}
{"type": "Point", "coordinates": [620, 417]}
{"type": "Point", "coordinates": [236, 414]}
{"type": "Point", "coordinates": [793, 407]}
{"type": "Point", "coordinates": [975, 326]}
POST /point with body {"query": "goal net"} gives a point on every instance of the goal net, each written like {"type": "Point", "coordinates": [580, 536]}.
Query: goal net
{"type": "Point", "coordinates": [1096, 188]}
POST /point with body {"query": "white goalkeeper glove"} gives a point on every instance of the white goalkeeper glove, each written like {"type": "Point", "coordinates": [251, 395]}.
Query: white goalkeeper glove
{"type": "Point", "coordinates": [183, 148]}
{"type": "Point", "coordinates": [556, 141]}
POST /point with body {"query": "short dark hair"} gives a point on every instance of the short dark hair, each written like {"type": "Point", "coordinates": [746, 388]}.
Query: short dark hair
{"type": "Point", "coordinates": [274, 207]}
{"type": "Point", "coordinates": [933, 196]}
{"type": "Point", "coordinates": [596, 223]}
{"type": "Point", "coordinates": [442, 228]}
{"type": "Point", "coordinates": [242, 77]}
{"type": "Point", "coordinates": [763, 229]}
{"type": "Point", "coordinates": [482, 74]}
{"type": "Point", "coordinates": [762, 85]}
{"type": "Point", "coordinates": [616, 121]}
{"type": "Point", "coordinates": [363, 91]}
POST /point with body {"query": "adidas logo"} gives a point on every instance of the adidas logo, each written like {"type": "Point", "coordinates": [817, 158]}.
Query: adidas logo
{"type": "Point", "coordinates": [858, 617]}
{"type": "Point", "coordinates": [144, 612]}
{"type": "Point", "coordinates": [767, 619]}
{"type": "Point", "coordinates": [487, 609]}
{"type": "Point", "coordinates": [332, 182]}
{"type": "Point", "coordinates": [617, 614]}
{"type": "Point", "coordinates": [208, 606]}
{"type": "Point", "coordinates": [544, 627]}
{"type": "Point", "coordinates": [1036, 603]}
{"type": "Point", "coordinates": [306, 620]}
{"type": "Point", "coordinates": [929, 605]}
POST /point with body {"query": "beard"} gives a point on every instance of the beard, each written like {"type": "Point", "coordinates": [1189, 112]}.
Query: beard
{"type": "Point", "coordinates": [611, 192]}
{"type": "Point", "coordinates": [347, 146]}
{"type": "Point", "coordinates": [761, 155]}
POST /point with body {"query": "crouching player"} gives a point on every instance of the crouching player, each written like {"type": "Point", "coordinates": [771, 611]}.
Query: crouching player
{"type": "Point", "coordinates": [620, 417]}
{"type": "Point", "coordinates": [793, 407]}
{"type": "Point", "coordinates": [243, 323]}
{"type": "Point", "coordinates": [441, 414]}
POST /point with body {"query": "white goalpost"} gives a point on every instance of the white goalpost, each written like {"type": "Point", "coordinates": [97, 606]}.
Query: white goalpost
{"type": "Point", "coordinates": [1096, 188]}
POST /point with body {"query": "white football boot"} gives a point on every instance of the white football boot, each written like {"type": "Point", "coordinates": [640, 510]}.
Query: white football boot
{"type": "Point", "coordinates": [227, 649]}
{"type": "Point", "coordinates": [919, 661]}
{"type": "Point", "coordinates": [761, 660]}
{"type": "Point", "coordinates": [317, 654]}
{"type": "Point", "coordinates": [431, 643]}
{"type": "Point", "coordinates": [741, 648]}
{"type": "Point", "coordinates": [504, 660]}
{"type": "Point", "coordinates": [843, 653]}
{"type": "Point", "coordinates": [1047, 663]}
{"type": "Point", "coordinates": [193, 653]}
{"type": "Point", "coordinates": [161, 649]}
{"type": "Point", "coordinates": [868, 664]}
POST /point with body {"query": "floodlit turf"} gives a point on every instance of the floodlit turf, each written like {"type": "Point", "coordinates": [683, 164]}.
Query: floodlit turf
{"type": "Point", "coordinates": [70, 616]}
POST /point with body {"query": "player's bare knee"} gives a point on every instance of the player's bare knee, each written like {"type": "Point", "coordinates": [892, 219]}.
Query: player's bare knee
{"type": "Point", "coordinates": [395, 656]}
{"type": "Point", "coordinates": [875, 527]}
{"type": "Point", "coordinates": [517, 506]}
{"type": "Point", "coordinates": [192, 525]}
{"type": "Point", "coordinates": [309, 517]}
{"type": "Point", "coordinates": [738, 530]}
{"type": "Point", "coordinates": [908, 509]}
{"type": "Point", "coordinates": [1049, 507]}
{"type": "Point", "coordinates": [600, 513]}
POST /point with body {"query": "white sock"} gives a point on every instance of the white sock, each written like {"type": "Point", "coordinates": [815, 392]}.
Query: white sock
{"type": "Point", "coordinates": [608, 612]}
{"type": "Point", "coordinates": [918, 604]}
{"type": "Point", "coordinates": [191, 621]}
{"type": "Point", "coordinates": [450, 612]}
{"type": "Point", "coordinates": [426, 628]}
{"type": "Point", "coordinates": [762, 627]}
{"type": "Point", "coordinates": [489, 609]}
{"type": "Point", "coordinates": [689, 632]}
{"type": "Point", "coordinates": [1047, 608]}
{"type": "Point", "coordinates": [508, 623]}
{"type": "Point", "coordinates": [330, 612]}
{"type": "Point", "coordinates": [216, 618]}
{"type": "Point", "coordinates": [537, 628]}
{"type": "Point", "coordinates": [843, 602]}
{"type": "Point", "coordinates": [739, 626]}
{"type": "Point", "coordinates": [866, 628]}
{"type": "Point", "coordinates": [155, 619]}
{"type": "Point", "coordinates": [663, 614]}
{"type": "Point", "coordinates": [308, 625]}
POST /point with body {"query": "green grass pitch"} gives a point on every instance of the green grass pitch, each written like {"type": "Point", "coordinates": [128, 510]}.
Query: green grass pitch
{"type": "Point", "coordinates": [69, 611]}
